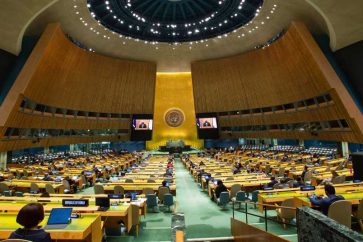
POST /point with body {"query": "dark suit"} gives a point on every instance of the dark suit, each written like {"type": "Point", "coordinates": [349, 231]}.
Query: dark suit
{"type": "Point", "coordinates": [38, 235]}
{"type": "Point", "coordinates": [324, 203]}
{"type": "Point", "coordinates": [142, 126]}
{"type": "Point", "coordinates": [206, 124]}
{"type": "Point", "coordinates": [219, 190]}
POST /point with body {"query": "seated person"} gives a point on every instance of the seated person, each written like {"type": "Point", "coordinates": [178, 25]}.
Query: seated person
{"type": "Point", "coordinates": [283, 184]}
{"type": "Point", "coordinates": [72, 183]}
{"type": "Point", "coordinates": [47, 177]}
{"type": "Point", "coordinates": [272, 182]}
{"type": "Point", "coordinates": [29, 217]}
{"type": "Point", "coordinates": [219, 189]}
{"type": "Point", "coordinates": [324, 203]}
{"type": "Point", "coordinates": [164, 184]}
{"type": "Point", "coordinates": [298, 182]}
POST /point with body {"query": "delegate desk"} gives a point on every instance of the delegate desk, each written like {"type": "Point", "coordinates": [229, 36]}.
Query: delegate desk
{"type": "Point", "coordinates": [354, 197]}
{"type": "Point", "coordinates": [248, 185]}
{"type": "Point", "coordinates": [318, 178]}
{"type": "Point", "coordinates": [24, 185]}
{"type": "Point", "coordinates": [279, 195]}
{"type": "Point", "coordinates": [140, 202]}
{"type": "Point", "coordinates": [86, 228]}
{"type": "Point", "coordinates": [134, 187]}
{"type": "Point", "coordinates": [113, 215]}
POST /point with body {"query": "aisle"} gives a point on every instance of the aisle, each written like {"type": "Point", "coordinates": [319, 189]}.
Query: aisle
{"type": "Point", "coordinates": [204, 219]}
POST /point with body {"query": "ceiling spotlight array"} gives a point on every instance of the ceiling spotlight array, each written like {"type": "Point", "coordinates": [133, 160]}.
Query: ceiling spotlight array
{"type": "Point", "coordinates": [205, 29]}
{"type": "Point", "coordinates": [173, 21]}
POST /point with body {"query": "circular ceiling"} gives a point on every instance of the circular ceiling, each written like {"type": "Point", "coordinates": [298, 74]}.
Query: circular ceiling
{"type": "Point", "coordinates": [173, 20]}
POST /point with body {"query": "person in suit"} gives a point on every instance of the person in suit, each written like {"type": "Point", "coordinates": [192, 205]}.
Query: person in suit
{"type": "Point", "coordinates": [324, 203]}
{"type": "Point", "coordinates": [30, 217]}
{"type": "Point", "coordinates": [47, 177]}
{"type": "Point", "coordinates": [272, 182]}
{"type": "Point", "coordinates": [220, 188]}
{"type": "Point", "coordinates": [164, 184]}
{"type": "Point", "coordinates": [298, 182]}
{"type": "Point", "coordinates": [142, 125]}
{"type": "Point", "coordinates": [206, 124]}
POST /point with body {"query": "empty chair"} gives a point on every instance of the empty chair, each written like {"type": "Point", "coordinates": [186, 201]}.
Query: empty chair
{"type": "Point", "coordinates": [66, 186]}
{"type": "Point", "coordinates": [338, 179]}
{"type": "Point", "coordinates": [147, 190]}
{"type": "Point", "coordinates": [267, 169]}
{"type": "Point", "coordinates": [25, 173]}
{"type": "Point", "coordinates": [168, 200]}
{"type": "Point", "coordinates": [223, 199]}
{"type": "Point", "coordinates": [18, 174]}
{"type": "Point", "coordinates": [230, 178]}
{"type": "Point", "coordinates": [359, 214]}
{"type": "Point", "coordinates": [118, 190]}
{"type": "Point", "coordinates": [281, 172]}
{"type": "Point", "coordinates": [40, 171]}
{"type": "Point", "coordinates": [99, 189]}
{"type": "Point", "coordinates": [135, 218]}
{"type": "Point", "coordinates": [128, 180]}
{"type": "Point", "coordinates": [3, 187]}
{"type": "Point", "coordinates": [162, 191]}
{"type": "Point", "coordinates": [307, 176]}
{"type": "Point", "coordinates": [341, 212]}
{"type": "Point", "coordinates": [152, 202]}
{"type": "Point", "coordinates": [151, 181]}
{"type": "Point", "coordinates": [34, 187]}
{"type": "Point", "coordinates": [218, 174]}
{"type": "Point", "coordinates": [49, 188]}
{"type": "Point", "coordinates": [234, 189]}
{"type": "Point", "coordinates": [286, 213]}
{"type": "Point", "coordinates": [84, 182]}
{"type": "Point", "coordinates": [19, 194]}
{"type": "Point", "coordinates": [240, 197]}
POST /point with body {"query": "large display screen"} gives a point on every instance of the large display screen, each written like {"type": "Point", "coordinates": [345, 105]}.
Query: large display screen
{"type": "Point", "coordinates": [207, 123]}
{"type": "Point", "coordinates": [142, 124]}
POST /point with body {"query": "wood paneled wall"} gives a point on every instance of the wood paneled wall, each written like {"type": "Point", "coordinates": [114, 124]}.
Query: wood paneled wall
{"type": "Point", "coordinates": [77, 79]}
{"type": "Point", "coordinates": [60, 74]}
{"type": "Point", "coordinates": [291, 69]}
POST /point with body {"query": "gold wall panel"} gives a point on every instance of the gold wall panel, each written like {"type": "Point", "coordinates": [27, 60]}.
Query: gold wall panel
{"type": "Point", "coordinates": [174, 91]}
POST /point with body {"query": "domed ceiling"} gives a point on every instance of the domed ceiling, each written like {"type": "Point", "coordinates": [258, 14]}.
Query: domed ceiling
{"type": "Point", "coordinates": [342, 21]}
{"type": "Point", "coordinates": [173, 20]}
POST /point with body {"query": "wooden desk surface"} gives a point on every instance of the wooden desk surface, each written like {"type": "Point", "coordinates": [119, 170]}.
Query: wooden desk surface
{"type": "Point", "coordinates": [354, 197]}
{"type": "Point", "coordinates": [78, 229]}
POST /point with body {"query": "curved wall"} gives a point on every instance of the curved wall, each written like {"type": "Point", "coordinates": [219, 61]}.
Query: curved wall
{"type": "Point", "coordinates": [289, 71]}
{"type": "Point", "coordinates": [74, 90]}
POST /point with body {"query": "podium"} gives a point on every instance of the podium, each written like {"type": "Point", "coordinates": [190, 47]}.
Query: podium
{"type": "Point", "coordinates": [172, 147]}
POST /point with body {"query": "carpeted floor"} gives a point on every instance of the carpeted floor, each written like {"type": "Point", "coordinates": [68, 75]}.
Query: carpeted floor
{"type": "Point", "coordinates": [204, 219]}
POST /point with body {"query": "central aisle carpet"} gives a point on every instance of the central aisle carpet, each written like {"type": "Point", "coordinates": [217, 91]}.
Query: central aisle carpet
{"type": "Point", "coordinates": [204, 219]}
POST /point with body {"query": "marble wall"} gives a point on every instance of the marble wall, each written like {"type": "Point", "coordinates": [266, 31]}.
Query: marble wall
{"type": "Point", "coordinates": [312, 225]}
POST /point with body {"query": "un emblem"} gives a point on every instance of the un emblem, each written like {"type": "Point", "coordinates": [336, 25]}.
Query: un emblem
{"type": "Point", "coordinates": [174, 118]}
